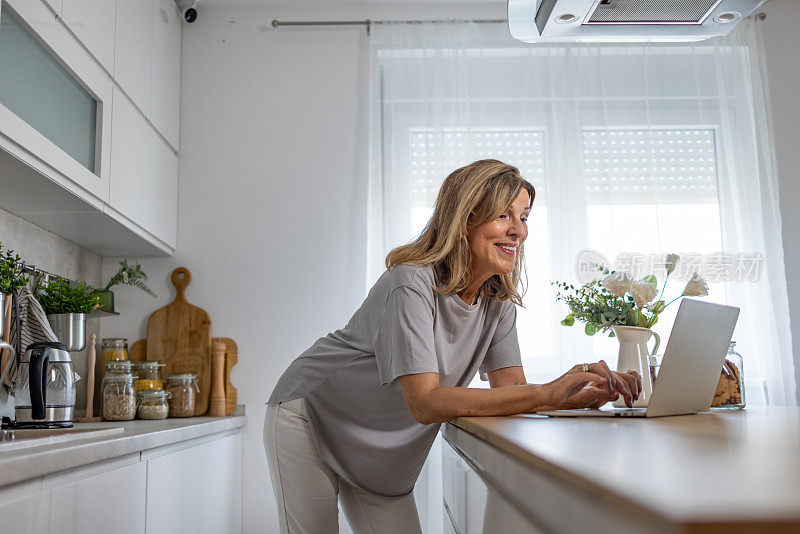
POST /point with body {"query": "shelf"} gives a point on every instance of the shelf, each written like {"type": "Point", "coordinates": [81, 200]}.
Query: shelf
{"type": "Point", "coordinates": [101, 313]}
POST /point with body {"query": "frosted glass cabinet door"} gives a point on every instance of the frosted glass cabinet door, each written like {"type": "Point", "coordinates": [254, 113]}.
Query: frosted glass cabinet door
{"type": "Point", "coordinates": [55, 100]}
{"type": "Point", "coordinates": [42, 93]}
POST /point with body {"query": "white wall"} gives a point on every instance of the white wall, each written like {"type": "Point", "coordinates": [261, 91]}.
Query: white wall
{"type": "Point", "coordinates": [272, 197]}
{"type": "Point", "coordinates": [781, 43]}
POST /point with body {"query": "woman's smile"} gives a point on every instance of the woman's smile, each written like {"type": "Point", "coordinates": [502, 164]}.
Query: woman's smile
{"type": "Point", "coordinates": [509, 250]}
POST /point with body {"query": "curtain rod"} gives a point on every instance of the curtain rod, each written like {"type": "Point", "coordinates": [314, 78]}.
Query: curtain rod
{"type": "Point", "coordinates": [368, 23]}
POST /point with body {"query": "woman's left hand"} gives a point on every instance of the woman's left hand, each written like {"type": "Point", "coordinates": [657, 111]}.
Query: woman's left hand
{"type": "Point", "coordinates": [627, 384]}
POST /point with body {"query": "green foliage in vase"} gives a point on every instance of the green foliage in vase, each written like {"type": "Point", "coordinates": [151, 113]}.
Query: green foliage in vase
{"type": "Point", "coordinates": [12, 277]}
{"type": "Point", "coordinates": [600, 309]}
{"type": "Point", "coordinates": [618, 300]}
{"type": "Point", "coordinates": [130, 276]}
{"type": "Point", "coordinates": [61, 296]}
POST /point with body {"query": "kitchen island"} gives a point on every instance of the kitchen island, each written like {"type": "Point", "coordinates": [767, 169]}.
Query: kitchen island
{"type": "Point", "coordinates": [171, 475]}
{"type": "Point", "coordinates": [735, 471]}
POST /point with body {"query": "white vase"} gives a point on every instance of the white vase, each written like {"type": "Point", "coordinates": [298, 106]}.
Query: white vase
{"type": "Point", "coordinates": [634, 356]}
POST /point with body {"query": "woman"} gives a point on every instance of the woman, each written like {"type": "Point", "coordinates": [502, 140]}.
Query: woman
{"type": "Point", "coordinates": [355, 415]}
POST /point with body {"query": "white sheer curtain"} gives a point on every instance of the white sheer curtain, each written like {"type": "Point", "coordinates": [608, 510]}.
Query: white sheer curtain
{"type": "Point", "coordinates": [635, 151]}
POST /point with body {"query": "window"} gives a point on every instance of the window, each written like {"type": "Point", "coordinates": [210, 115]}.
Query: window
{"type": "Point", "coordinates": [635, 151]}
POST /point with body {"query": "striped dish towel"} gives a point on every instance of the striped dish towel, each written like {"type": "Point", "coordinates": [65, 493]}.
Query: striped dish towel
{"type": "Point", "coordinates": [33, 328]}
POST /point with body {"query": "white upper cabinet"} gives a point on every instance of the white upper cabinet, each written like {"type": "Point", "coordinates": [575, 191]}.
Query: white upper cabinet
{"type": "Point", "coordinates": [166, 72]}
{"type": "Point", "coordinates": [56, 114]}
{"type": "Point", "coordinates": [133, 50]}
{"type": "Point", "coordinates": [56, 5]}
{"type": "Point", "coordinates": [144, 173]}
{"type": "Point", "coordinates": [92, 21]}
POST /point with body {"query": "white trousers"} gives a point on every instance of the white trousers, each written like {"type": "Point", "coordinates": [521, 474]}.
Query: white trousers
{"type": "Point", "coordinates": [307, 491]}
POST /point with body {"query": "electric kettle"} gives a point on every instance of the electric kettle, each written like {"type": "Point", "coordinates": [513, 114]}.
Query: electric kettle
{"type": "Point", "coordinates": [45, 390]}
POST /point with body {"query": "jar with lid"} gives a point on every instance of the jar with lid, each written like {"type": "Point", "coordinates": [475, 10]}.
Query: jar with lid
{"type": "Point", "coordinates": [729, 394]}
{"type": "Point", "coordinates": [119, 367]}
{"type": "Point", "coordinates": [153, 404]}
{"type": "Point", "coordinates": [113, 349]}
{"type": "Point", "coordinates": [183, 388]}
{"type": "Point", "coordinates": [148, 373]}
{"type": "Point", "coordinates": [119, 397]}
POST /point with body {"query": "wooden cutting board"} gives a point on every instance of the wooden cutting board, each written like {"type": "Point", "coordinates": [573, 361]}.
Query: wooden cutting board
{"type": "Point", "coordinates": [179, 335]}
{"type": "Point", "coordinates": [138, 352]}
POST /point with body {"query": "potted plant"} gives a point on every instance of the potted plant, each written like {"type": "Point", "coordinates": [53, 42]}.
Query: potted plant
{"type": "Point", "coordinates": [66, 305]}
{"type": "Point", "coordinates": [126, 275]}
{"type": "Point", "coordinates": [12, 279]}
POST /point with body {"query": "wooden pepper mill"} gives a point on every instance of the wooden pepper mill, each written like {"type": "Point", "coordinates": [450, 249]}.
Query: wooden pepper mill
{"type": "Point", "coordinates": [218, 404]}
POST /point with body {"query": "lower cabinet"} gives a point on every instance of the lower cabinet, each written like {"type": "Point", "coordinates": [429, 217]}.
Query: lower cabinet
{"type": "Point", "coordinates": [197, 489]}
{"type": "Point", "coordinates": [24, 508]}
{"type": "Point", "coordinates": [473, 507]}
{"type": "Point", "coordinates": [194, 486]}
{"type": "Point", "coordinates": [111, 494]}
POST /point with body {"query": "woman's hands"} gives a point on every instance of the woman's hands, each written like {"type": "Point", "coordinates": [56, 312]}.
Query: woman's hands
{"type": "Point", "coordinates": [594, 387]}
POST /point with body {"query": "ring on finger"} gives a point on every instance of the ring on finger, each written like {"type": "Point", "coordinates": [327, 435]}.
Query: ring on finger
{"type": "Point", "coordinates": [585, 367]}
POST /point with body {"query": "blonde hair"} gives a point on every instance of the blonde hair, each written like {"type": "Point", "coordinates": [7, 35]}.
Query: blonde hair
{"type": "Point", "coordinates": [470, 196]}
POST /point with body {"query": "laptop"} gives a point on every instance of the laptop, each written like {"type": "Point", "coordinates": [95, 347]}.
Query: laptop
{"type": "Point", "coordinates": [691, 366]}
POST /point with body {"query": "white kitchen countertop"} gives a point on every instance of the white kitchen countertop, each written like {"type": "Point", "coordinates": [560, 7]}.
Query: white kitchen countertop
{"type": "Point", "coordinates": [698, 471]}
{"type": "Point", "coordinates": [138, 435]}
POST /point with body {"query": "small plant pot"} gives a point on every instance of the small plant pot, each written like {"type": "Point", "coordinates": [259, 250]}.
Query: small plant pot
{"type": "Point", "coordinates": [70, 329]}
{"type": "Point", "coordinates": [106, 300]}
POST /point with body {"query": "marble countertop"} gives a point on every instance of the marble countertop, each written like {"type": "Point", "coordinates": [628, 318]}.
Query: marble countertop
{"type": "Point", "coordinates": [136, 436]}
{"type": "Point", "coordinates": [735, 466]}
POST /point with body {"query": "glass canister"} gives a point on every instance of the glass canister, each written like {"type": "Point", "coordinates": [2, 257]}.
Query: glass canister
{"type": "Point", "coordinates": [148, 373]}
{"type": "Point", "coordinates": [183, 389]}
{"type": "Point", "coordinates": [113, 349]}
{"type": "Point", "coordinates": [119, 367]}
{"type": "Point", "coordinates": [153, 404]}
{"type": "Point", "coordinates": [119, 397]}
{"type": "Point", "coordinates": [729, 394]}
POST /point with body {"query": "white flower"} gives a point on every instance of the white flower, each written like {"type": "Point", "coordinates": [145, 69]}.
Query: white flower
{"type": "Point", "coordinates": [617, 283]}
{"type": "Point", "coordinates": [670, 261]}
{"type": "Point", "coordinates": [695, 287]}
{"type": "Point", "coordinates": [642, 292]}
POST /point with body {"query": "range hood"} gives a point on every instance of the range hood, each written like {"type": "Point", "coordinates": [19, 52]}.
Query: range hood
{"type": "Point", "coordinates": [537, 21]}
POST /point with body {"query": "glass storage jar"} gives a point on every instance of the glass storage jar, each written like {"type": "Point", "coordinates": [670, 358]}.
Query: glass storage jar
{"type": "Point", "coordinates": [183, 389]}
{"type": "Point", "coordinates": [113, 349]}
{"type": "Point", "coordinates": [730, 388]}
{"type": "Point", "coordinates": [119, 398]}
{"type": "Point", "coordinates": [153, 404]}
{"type": "Point", "coordinates": [148, 373]}
{"type": "Point", "coordinates": [119, 367]}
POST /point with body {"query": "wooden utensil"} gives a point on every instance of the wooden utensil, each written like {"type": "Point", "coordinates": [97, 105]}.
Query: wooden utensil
{"type": "Point", "coordinates": [179, 335]}
{"type": "Point", "coordinates": [90, 360]}
{"type": "Point", "coordinates": [231, 358]}
{"type": "Point", "coordinates": [218, 406]}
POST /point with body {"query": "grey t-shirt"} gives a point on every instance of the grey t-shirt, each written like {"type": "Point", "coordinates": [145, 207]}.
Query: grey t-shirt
{"type": "Point", "coordinates": [359, 419]}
